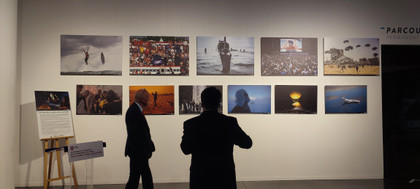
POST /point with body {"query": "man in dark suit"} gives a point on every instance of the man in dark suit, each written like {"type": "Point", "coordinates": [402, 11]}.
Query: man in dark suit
{"type": "Point", "coordinates": [139, 145]}
{"type": "Point", "coordinates": [210, 138]}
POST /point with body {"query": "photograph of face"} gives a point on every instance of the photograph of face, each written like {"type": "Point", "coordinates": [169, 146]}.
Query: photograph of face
{"type": "Point", "coordinates": [190, 98]}
{"type": "Point", "coordinates": [225, 55]}
{"type": "Point", "coordinates": [159, 55]}
{"type": "Point", "coordinates": [296, 99]}
{"type": "Point", "coordinates": [161, 99]}
{"type": "Point", "coordinates": [351, 56]}
{"type": "Point", "coordinates": [91, 55]}
{"type": "Point", "coordinates": [52, 100]}
{"type": "Point", "coordinates": [346, 99]}
{"type": "Point", "coordinates": [99, 100]}
{"type": "Point", "coordinates": [251, 99]}
{"type": "Point", "coordinates": [289, 56]}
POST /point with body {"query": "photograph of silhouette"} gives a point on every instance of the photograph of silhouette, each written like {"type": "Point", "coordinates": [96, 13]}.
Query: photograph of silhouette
{"type": "Point", "coordinates": [249, 99]}
{"type": "Point", "coordinates": [346, 99]}
{"type": "Point", "coordinates": [91, 55]}
{"type": "Point", "coordinates": [190, 98]}
{"type": "Point", "coordinates": [225, 55]}
{"type": "Point", "coordinates": [296, 99]}
{"type": "Point", "coordinates": [99, 99]}
{"type": "Point", "coordinates": [351, 56]}
{"type": "Point", "coordinates": [289, 56]}
{"type": "Point", "coordinates": [161, 99]}
{"type": "Point", "coordinates": [159, 55]}
{"type": "Point", "coordinates": [52, 100]}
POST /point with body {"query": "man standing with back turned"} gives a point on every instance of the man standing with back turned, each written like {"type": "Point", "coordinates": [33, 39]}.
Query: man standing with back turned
{"type": "Point", "coordinates": [210, 138]}
{"type": "Point", "coordinates": [139, 145]}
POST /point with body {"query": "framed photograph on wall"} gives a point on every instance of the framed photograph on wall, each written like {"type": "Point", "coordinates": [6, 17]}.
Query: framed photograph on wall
{"type": "Point", "coordinates": [190, 98]}
{"type": "Point", "coordinates": [159, 55]}
{"type": "Point", "coordinates": [161, 99]}
{"type": "Point", "coordinates": [289, 56]}
{"type": "Point", "coordinates": [99, 100]}
{"type": "Point", "coordinates": [91, 55]}
{"type": "Point", "coordinates": [352, 56]}
{"type": "Point", "coordinates": [251, 99]}
{"type": "Point", "coordinates": [296, 99]}
{"type": "Point", "coordinates": [225, 55]}
{"type": "Point", "coordinates": [346, 99]}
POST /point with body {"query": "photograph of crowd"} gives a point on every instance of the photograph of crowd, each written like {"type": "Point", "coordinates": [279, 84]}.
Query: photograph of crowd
{"type": "Point", "coordinates": [251, 99]}
{"type": "Point", "coordinates": [161, 99]}
{"type": "Point", "coordinates": [351, 56]}
{"type": "Point", "coordinates": [296, 99]}
{"type": "Point", "coordinates": [159, 55]}
{"type": "Point", "coordinates": [345, 99]}
{"type": "Point", "coordinates": [52, 100]}
{"type": "Point", "coordinates": [225, 55]}
{"type": "Point", "coordinates": [190, 98]}
{"type": "Point", "coordinates": [99, 100]}
{"type": "Point", "coordinates": [91, 55]}
{"type": "Point", "coordinates": [289, 56]}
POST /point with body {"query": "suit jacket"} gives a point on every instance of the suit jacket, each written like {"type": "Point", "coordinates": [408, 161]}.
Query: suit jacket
{"type": "Point", "coordinates": [139, 142]}
{"type": "Point", "coordinates": [210, 138]}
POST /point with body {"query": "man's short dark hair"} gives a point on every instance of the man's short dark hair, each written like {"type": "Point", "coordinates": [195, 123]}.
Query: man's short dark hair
{"type": "Point", "coordinates": [210, 98]}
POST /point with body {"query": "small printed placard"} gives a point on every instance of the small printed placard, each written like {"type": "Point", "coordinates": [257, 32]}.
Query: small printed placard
{"type": "Point", "coordinates": [83, 151]}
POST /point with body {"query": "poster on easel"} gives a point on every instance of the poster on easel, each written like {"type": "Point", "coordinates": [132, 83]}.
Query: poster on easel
{"type": "Point", "coordinates": [53, 114]}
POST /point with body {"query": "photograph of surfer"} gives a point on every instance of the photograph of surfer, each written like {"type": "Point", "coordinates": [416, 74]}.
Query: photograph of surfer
{"type": "Point", "coordinates": [85, 55]}
{"type": "Point", "coordinates": [255, 99]}
{"type": "Point", "coordinates": [346, 99]}
{"type": "Point", "coordinates": [351, 56]}
{"type": "Point", "coordinates": [102, 58]}
{"type": "Point", "coordinates": [225, 55]}
{"type": "Point", "coordinates": [289, 56]}
{"type": "Point", "coordinates": [159, 55]}
{"type": "Point", "coordinates": [99, 99]}
{"type": "Point", "coordinates": [161, 101]}
{"type": "Point", "coordinates": [296, 99]}
{"type": "Point", "coordinates": [52, 100]}
{"type": "Point", "coordinates": [190, 98]}
{"type": "Point", "coordinates": [86, 51]}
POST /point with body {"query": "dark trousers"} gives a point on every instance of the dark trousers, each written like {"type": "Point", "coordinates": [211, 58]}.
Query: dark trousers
{"type": "Point", "coordinates": [139, 166]}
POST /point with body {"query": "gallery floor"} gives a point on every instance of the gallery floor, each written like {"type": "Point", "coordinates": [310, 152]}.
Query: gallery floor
{"type": "Point", "coordinates": [295, 184]}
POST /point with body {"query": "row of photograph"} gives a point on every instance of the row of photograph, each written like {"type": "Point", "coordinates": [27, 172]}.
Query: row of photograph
{"type": "Point", "coordinates": [241, 99]}
{"type": "Point", "coordinates": [218, 55]}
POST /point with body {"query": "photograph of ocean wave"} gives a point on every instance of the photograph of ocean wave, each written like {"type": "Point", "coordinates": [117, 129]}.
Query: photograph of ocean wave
{"type": "Point", "coordinates": [225, 55]}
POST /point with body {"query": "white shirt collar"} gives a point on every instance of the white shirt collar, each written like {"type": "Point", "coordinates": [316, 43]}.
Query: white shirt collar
{"type": "Point", "coordinates": [141, 109]}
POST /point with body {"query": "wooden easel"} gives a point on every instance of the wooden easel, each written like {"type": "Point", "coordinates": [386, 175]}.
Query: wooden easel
{"type": "Point", "coordinates": [54, 144]}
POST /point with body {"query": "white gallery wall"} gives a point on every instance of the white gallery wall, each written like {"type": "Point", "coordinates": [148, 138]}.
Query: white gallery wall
{"type": "Point", "coordinates": [286, 146]}
{"type": "Point", "coordinates": [9, 116]}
